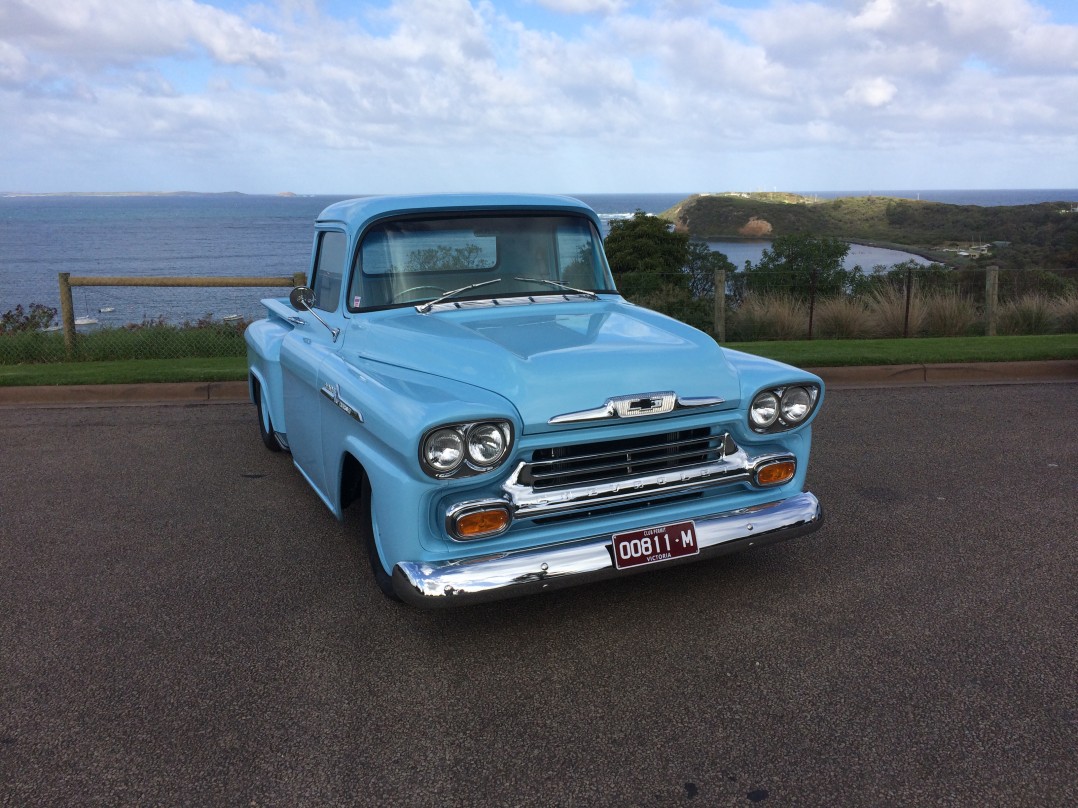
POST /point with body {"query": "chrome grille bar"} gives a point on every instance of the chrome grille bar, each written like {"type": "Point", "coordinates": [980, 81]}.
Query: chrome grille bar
{"type": "Point", "coordinates": [624, 459]}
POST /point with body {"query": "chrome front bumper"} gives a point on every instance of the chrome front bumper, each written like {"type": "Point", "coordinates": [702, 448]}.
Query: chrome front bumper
{"type": "Point", "coordinates": [522, 572]}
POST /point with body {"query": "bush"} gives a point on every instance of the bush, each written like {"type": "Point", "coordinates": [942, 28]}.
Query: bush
{"type": "Point", "coordinates": [768, 317]}
{"type": "Point", "coordinates": [18, 320]}
{"type": "Point", "coordinates": [842, 318]}
{"type": "Point", "coordinates": [948, 314]}
{"type": "Point", "coordinates": [677, 302]}
{"type": "Point", "coordinates": [1030, 314]}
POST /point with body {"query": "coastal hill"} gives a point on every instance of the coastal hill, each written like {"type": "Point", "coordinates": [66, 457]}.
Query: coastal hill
{"type": "Point", "coordinates": [1045, 234]}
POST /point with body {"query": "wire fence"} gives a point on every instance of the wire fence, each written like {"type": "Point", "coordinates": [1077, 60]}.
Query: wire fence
{"type": "Point", "coordinates": [109, 322]}
{"type": "Point", "coordinates": [168, 325]}
{"type": "Point", "coordinates": [907, 300]}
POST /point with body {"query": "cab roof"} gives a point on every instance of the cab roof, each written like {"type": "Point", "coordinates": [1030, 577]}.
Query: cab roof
{"type": "Point", "coordinates": [356, 214]}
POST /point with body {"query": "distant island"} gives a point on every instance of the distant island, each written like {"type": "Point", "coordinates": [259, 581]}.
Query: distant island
{"type": "Point", "coordinates": [16, 194]}
{"type": "Point", "coordinates": [1043, 235]}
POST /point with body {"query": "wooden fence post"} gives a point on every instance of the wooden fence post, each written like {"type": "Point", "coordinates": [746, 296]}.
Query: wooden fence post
{"type": "Point", "coordinates": [299, 279]}
{"type": "Point", "coordinates": [719, 315]}
{"type": "Point", "coordinates": [991, 299]}
{"type": "Point", "coordinates": [67, 315]}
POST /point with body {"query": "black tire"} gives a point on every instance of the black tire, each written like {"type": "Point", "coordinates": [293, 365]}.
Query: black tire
{"type": "Point", "coordinates": [366, 534]}
{"type": "Point", "coordinates": [265, 424]}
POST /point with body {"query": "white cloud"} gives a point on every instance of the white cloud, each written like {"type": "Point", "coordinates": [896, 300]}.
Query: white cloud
{"type": "Point", "coordinates": [439, 89]}
{"type": "Point", "coordinates": [583, 6]}
{"type": "Point", "coordinates": [874, 92]}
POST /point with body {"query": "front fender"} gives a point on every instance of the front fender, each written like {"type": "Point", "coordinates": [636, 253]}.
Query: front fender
{"type": "Point", "coordinates": [377, 413]}
{"type": "Point", "coordinates": [264, 338]}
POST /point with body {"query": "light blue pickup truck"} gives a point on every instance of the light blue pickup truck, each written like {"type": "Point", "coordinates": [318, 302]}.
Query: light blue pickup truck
{"type": "Point", "coordinates": [463, 371]}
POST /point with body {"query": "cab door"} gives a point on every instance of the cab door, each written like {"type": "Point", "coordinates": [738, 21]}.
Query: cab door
{"type": "Point", "coordinates": [305, 350]}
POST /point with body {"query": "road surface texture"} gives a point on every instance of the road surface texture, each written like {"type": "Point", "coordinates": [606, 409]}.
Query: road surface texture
{"type": "Point", "coordinates": [182, 622]}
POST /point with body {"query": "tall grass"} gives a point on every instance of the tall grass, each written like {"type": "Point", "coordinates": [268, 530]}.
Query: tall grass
{"type": "Point", "coordinates": [1065, 314]}
{"type": "Point", "coordinates": [948, 314]}
{"type": "Point", "coordinates": [1030, 314]}
{"type": "Point", "coordinates": [768, 317]}
{"type": "Point", "coordinates": [842, 318]}
{"type": "Point", "coordinates": [888, 307]}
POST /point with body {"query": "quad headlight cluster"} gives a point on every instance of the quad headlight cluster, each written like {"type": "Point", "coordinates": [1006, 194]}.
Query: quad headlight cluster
{"type": "Point", "coordinates": [462, 450]}
{"type": "Point", "coordinates": [782, 408]}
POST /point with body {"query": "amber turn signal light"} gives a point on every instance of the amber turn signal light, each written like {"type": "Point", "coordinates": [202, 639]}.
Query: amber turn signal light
{"type": "Point", "coordinates": [478, 524]}
{"type": "Point", "coordinates": [776, 472]}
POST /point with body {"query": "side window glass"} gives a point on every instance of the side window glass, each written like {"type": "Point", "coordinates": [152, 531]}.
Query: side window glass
{"type": "Point", "coordinates": [576, 256]}
{"type": "Point", "coordinates": [329, 270]}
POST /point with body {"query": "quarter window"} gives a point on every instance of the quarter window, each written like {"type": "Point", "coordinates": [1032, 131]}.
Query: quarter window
{"type": "Point", "coordinates": [329, 270]}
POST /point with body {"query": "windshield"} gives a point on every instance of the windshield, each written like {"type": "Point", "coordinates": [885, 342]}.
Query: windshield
{"type": "Point", "coordinates": [411, 261]}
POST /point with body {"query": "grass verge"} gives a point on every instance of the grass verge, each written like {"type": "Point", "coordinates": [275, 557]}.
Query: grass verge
{"type": "Point", "coordinates": [126, 371]}
{"type": "Point", "coordinates": [825, 353]}
{"type": "Point", "coordinates": [804, 353]}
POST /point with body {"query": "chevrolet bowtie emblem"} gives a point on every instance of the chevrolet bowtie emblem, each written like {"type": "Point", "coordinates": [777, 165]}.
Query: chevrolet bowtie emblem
{"type": "Point", "coordinates": [635, 406]}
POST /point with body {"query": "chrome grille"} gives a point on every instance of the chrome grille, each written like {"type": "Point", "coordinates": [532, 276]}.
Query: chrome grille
{"type": "Point", "coordinates": [623, 459]}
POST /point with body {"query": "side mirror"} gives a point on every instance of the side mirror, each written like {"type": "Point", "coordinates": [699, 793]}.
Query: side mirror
{"type": "Point", "coordinates": [301, 298]}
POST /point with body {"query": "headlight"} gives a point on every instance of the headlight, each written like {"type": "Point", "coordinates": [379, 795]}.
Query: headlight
{"type": "Point", "coordinates": [765, 410]}
{"type": "Point", "coordinates": [486, 444]}
{"type": "Point", "coordinates": [781, 408]}
{"type": "Point", "coordinates": [796, 404]}
{"type": "Point", "coordinates": [466, 449]}
{"type": "Point", "coordinates": [443, 450]}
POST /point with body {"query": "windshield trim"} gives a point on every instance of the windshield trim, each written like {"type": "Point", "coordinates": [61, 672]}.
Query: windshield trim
{"type": "Point", "coordinates": [492, 213]}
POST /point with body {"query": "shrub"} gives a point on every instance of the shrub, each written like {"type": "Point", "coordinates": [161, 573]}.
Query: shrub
{"type": "Point", "coordinates": [888, 307]}
{"type": "Point", "coordinates": [768, 317]}
{"type": "Point", "coordinates": [18, 320]}
{"type": "Point", "coordinates": [948, 314]}
{"type": "Point", "coordinates": [677, 302]}
{"type": "Point", "coordinates": [842, 318]}
{"type": "Point", "coordinates": [1029, 314]}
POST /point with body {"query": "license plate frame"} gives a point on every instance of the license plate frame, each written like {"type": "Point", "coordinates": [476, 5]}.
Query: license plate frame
{"type": "Point", "coordinates": [654, 545]}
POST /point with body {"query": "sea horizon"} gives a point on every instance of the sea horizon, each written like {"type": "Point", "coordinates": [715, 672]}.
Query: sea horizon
{"type": "Point", "coordinates": [238, 234]}
{"type": "Point", "coordinates": [989, 197]}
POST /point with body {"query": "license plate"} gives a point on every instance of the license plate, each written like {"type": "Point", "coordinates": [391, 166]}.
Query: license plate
{"type": "Point", "coordinates": [654, 544]}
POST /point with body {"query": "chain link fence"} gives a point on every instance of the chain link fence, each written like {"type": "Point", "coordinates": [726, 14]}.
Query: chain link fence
{"type": "Point", "coordinates": [102, 319]}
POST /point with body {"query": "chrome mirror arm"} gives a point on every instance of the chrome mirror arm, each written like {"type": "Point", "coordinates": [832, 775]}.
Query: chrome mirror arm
{"type": "Point", "coordinates": [301, 298]}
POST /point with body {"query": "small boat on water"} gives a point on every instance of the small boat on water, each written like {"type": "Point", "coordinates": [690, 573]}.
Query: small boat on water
{"type": "Point", "coordinates": [85, 321]}
{"type": "Point", "coordinates": [231, 318]}
{"type": "Point", "coordinates": [107, 309]}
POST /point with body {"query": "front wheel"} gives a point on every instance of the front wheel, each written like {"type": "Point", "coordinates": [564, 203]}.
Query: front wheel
{"type": "Point", "coordinates": [265, 423]}
{"type": "Point", "coordinates": [367, 533]}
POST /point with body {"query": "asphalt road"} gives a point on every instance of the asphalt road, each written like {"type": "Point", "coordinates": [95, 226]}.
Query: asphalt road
{"type": "Point", "coordinates": [182, 622]}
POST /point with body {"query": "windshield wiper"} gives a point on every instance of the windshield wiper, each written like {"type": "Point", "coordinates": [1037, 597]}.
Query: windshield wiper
{"type": "Point", "coordinates": [564, 286]}
{"type": "Point", "coordinates": [426, 307]}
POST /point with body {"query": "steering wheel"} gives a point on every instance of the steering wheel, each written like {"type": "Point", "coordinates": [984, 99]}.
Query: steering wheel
{"type": "Point", "coordinates": [411, 289]}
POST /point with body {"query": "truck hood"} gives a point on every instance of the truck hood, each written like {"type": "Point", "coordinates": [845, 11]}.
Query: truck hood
{"type": "Point", "coordinates": [551, 359]}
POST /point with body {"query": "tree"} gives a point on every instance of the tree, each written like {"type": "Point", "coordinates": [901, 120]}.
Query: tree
{"type": "Point", "coordinates": [700, 265]}
{"type": "Point", "coordinates": [800, 265]}
{"type": "Point", "coordinates": [646, 256]}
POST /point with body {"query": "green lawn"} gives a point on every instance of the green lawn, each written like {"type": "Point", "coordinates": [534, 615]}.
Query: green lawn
{"type": "Point", "coordinates": [126, 371]}
{"type": "Point", "coordinates": [817, 353]}
{"type": "Point", "coordinates": [826, 353]}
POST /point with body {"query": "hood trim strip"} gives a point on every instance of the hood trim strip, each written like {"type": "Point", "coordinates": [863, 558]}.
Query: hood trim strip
{"type": "Point", "coordinates": [636, 406]}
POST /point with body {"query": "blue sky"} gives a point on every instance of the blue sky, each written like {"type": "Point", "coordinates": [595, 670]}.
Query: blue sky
{"type": "Point", "coordinates": [576, 96]}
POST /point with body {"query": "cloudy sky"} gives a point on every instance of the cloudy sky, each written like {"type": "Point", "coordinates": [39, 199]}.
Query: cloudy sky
{"type": "Point", "coordinates": [344, 96]}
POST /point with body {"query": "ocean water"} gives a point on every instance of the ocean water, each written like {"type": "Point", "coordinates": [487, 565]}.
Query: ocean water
{"type": "Point", "coordinates": [239, 235]}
